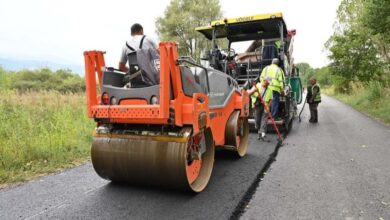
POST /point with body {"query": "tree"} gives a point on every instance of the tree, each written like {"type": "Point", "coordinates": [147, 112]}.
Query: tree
{"type": "Point", "coordinates": [353, 50]}
{"type": "Point", "coordinates": [376, 18]}
{"type": "Point", "coordinates": [306, 71]}
{"type": "Point", "coordinates": [354, 56]}
{"type": "Point", "coordinates": [180, 19]}
{"type": "Point", "coordinates": [323, 76]}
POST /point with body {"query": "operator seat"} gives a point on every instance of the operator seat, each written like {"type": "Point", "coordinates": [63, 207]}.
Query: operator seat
{"type": "Point", "coordinates": [269, 52]}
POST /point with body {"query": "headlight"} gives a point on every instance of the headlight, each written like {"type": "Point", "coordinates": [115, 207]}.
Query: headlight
{"type": "Point", "coordinates": [113, 100]}
{"type": "Point", "coordinates": [154, 100]}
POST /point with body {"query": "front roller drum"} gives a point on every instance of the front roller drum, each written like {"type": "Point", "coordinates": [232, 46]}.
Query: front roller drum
{"type": "Point", "coordinates": [183, 161]}
{"type": "Point", "coordinates": [237, 134]}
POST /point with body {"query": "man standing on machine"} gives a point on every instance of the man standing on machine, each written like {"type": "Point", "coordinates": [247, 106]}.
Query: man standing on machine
{"type": "Point", "coordinates": [276, 74]}
{"type": "Point", "coordinates": [260, 110]}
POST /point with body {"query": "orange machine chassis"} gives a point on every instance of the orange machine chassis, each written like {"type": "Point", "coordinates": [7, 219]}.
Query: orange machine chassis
{"type": "Point", "coordinates": [188, 111]}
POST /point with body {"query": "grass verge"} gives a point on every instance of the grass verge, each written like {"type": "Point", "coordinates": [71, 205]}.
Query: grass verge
{"type": "Point", "coordinates": [373, 99]}
{"type": "Point", "coordinates": [40, 133]}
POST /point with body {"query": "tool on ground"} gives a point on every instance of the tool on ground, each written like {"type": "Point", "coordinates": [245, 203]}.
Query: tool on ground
{"type": "Point", "coordinates": [164, 134]}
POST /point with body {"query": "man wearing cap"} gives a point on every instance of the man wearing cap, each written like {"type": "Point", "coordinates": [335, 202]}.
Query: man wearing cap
{"type": "Point", "coordinates": [260, 110]}
{"type": "Point", "coordinates": [276, 74]}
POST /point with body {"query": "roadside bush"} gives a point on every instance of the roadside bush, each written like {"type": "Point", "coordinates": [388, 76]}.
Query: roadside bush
{"type": "Point", "coordinates": [4, 80]}
{"type": "Point", "coordinates": [42, 80]}
{"type": "Point", "coordinates": [372, 98]}
{"type": "Point", "coordinates": [341, 84]}
{"type": "Point", "coordinates": [374, 91]}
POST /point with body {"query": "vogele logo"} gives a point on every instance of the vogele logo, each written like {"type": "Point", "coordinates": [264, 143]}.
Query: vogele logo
{"type": "Point", "coordinates": [247, 18]}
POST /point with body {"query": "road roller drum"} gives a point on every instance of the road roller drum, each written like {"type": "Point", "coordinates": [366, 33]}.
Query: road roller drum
{"type": "Point", "coordinates": [164, 160]}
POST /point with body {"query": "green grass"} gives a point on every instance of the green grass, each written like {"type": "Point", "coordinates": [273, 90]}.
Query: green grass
{"type": "Point", "coordinates": [41, 132]}
{"type": "Point", "coordinates": [373, 99]}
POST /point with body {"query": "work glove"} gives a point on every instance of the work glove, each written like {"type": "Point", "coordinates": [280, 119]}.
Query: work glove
{"type": "Point", "coordinates": [286, 90]}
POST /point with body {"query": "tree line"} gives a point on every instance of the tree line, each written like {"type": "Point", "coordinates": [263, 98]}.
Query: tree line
{"type": "Point", "coordinates": [44, 79]}
{"type": "Point", "coordinates": [360, 45]}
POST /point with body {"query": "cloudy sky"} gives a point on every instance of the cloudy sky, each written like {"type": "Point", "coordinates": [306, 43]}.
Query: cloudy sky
{"type": "Point", "coordinates": [59, 31]}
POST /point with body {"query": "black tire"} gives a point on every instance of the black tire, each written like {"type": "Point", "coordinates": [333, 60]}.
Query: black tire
{"type": "Point", "coordinates": [288, 127]}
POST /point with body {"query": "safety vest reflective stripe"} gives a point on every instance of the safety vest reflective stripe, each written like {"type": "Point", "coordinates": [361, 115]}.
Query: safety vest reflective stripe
{"type": "Point", "coordinates": [318, 95]}
{"type": "Point", "coordinates": [272, 77]}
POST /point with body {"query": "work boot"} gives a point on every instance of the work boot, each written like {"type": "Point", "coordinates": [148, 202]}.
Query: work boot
{"type": "Point", "coordinates": [258, 134]}
{"type": "Point", "coordinates": [264, 138]}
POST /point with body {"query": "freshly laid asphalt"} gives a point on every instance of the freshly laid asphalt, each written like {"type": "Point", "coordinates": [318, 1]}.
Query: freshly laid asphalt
{"type": "Point", "coordinates": [80, 193]}
{"type": "Point", "coordinates": [337, 169]}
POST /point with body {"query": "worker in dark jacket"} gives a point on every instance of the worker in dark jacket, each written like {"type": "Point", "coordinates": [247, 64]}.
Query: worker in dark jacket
{"type": "Point", "coordinates": [314, 100]}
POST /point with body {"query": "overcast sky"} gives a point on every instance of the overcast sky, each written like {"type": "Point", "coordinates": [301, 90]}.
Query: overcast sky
{"type": "Point", "coordinates": [59, 31]}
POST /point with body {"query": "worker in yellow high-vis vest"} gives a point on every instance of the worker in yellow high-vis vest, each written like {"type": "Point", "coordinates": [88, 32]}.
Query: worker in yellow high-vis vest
{"type": "Point", "coordinates": [276, 74]}
{"type": "Point", "coordinates": [261, 111]}
{"type": "Point", "coordinates": [314, 100]}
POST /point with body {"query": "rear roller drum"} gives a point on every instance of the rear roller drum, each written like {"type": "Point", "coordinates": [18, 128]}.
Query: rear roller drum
{"type": "Point", "coordinates": [182, 161]}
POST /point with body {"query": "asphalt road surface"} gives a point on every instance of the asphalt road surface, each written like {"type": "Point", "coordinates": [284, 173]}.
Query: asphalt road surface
{"type": "Point", "coordinates": [338, 169]}
{"type": "Point", "coordinates": [80, 193]}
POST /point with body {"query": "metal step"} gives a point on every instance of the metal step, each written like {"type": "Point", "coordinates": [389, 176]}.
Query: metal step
{"type": "Point", "coordinates": [247, 77]}
{"type": "Point", "coordinates": [269, 122]}
{"type": "Point", "coordinates": [280, 122]}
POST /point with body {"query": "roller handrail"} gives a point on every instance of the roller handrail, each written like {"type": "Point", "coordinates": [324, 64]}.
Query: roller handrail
{"type": "Point", "coordinates": [191, 61]}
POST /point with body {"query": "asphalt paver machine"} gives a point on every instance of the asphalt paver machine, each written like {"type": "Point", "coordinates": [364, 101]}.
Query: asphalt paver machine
{"type": "Point", "coordinates": [269, 38]}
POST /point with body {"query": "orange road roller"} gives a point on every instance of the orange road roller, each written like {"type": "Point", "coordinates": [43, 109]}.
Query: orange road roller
{"type": "Point", "coordinates": [160, 123]}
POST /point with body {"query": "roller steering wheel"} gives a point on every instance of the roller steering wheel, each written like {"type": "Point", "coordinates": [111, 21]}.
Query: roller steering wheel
{"type": "Point", "coordinates": [230, 54]}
